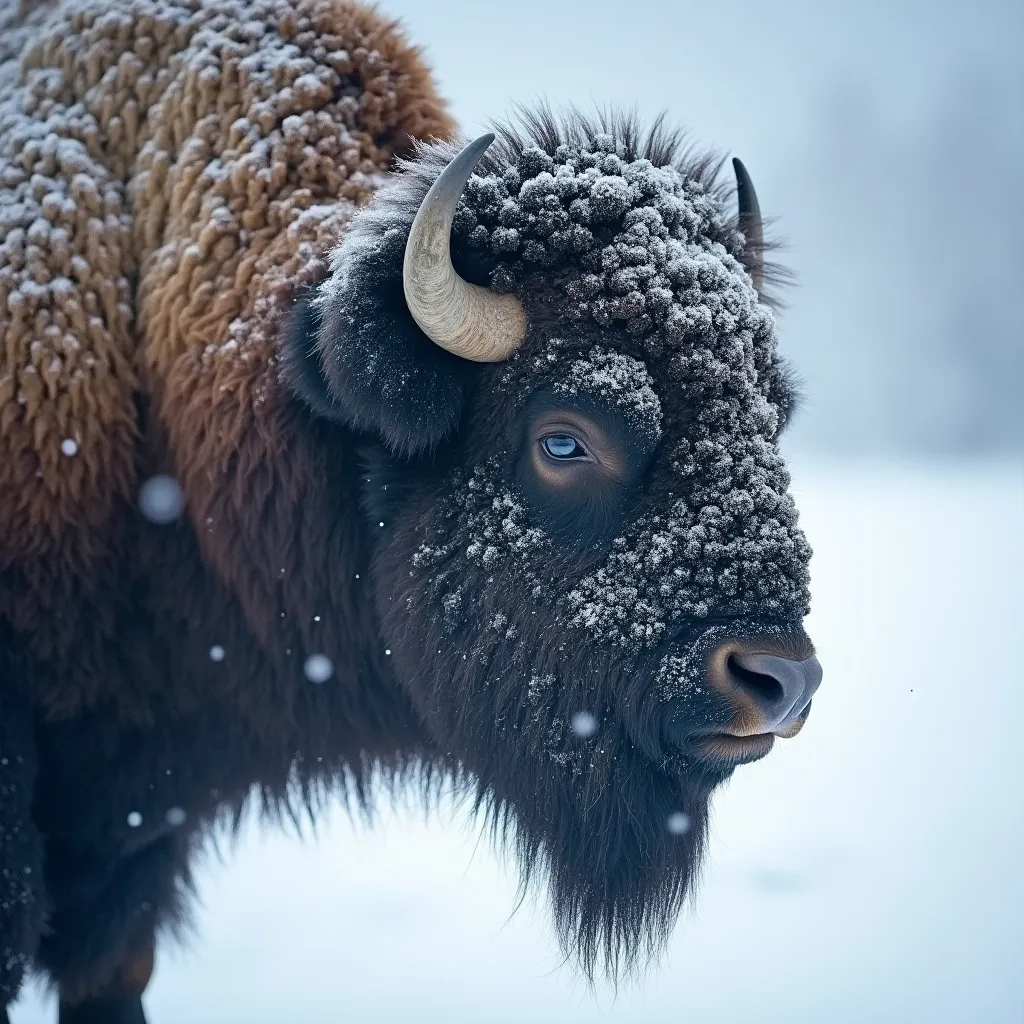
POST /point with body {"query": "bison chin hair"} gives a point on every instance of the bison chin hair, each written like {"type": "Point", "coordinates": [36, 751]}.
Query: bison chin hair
{"type": "Point", "coordinates": [617, 847]}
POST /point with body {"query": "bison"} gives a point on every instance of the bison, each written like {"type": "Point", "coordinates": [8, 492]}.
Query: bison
{"type": "Point", "coordinates": [337, 453]}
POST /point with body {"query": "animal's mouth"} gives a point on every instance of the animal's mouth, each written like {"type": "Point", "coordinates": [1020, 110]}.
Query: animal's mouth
{"type": "Point", "coordinates": [735, 750]}
{"type": "Point", "coordinates": [729, 748]}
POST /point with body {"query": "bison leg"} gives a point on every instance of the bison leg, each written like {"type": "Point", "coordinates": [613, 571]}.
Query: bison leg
{"type": "Point", "coordinates": [99, 945]}
{"type": "Point", "coordinates": [22, 905]}
{"type": "Point", "coordinates": [120, 1002]}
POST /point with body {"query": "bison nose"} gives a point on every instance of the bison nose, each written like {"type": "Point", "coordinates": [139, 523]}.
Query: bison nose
{"type": "Point", "coordinates": [769, 693]}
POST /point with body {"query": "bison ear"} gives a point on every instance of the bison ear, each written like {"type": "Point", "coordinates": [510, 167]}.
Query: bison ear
{"type": "Point", "coordinates": [301, 361]}
{"type": "Point", "coordinates": [354, 354]}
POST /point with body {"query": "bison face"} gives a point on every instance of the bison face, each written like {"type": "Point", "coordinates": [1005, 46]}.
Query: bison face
{"type": "Point", "coordinates": [589, 570]}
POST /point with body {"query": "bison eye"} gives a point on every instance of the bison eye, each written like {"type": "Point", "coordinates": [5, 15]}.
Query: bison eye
{"type": "Point", "coordinates": [563, 447]}
{"type": "Point", "coordinates": [577, 467]}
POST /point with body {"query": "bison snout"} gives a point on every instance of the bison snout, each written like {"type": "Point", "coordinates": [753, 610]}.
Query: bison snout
{"type": "Point", "coordinates": [769, 693]}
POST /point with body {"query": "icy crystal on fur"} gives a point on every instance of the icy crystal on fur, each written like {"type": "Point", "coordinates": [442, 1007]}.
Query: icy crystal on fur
{"type": "Point", "coordinates": [618, 380]}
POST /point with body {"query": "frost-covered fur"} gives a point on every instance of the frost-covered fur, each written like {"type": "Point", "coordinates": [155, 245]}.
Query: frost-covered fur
{"type": "Point", "coordinates": [649, 254]}
{"type": "Point", "coordinates": [175, 174]}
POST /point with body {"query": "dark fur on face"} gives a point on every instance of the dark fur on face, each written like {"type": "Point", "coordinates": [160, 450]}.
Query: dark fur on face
{"type": "Point", "coordinates": [545, 614]}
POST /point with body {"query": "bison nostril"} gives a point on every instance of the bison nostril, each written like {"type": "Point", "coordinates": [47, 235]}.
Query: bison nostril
{"type": "Point", "coordinates": [764, 688]}
{"type": "Point", "coordinates": [768, 692]}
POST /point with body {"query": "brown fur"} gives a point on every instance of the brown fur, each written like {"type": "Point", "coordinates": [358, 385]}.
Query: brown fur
{"type": "Point", "coordinates": [155, 275]}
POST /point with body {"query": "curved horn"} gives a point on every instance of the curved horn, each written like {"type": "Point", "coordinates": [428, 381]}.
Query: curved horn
{"type": "Point", "coordinates": [465, 319]}
{"type": "Point", "coordinates": [750, 222]}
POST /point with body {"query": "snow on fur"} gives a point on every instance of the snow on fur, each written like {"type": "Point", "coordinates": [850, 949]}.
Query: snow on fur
{"type": "Point", "coordinates": [619, 381]}
{"type": "Point", "coordinates": [650, 256]}
{"type": "Point", "coordinates": [167, 168]}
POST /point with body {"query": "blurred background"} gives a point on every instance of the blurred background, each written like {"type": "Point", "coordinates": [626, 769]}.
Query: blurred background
{"type": "Point", "coordinates": [870, 868]}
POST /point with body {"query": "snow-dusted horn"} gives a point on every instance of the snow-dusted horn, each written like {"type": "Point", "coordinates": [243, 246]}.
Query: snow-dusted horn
{"type": "Point", "coordinates": [465, 319]}
{"type": "Point", "coordinates": [750, 221]}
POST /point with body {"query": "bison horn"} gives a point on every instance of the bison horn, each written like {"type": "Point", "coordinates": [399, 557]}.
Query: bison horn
{"type": "Point", "coordinates": [467, 320]}
{"type": "Point", "coordinates": [750, 222]}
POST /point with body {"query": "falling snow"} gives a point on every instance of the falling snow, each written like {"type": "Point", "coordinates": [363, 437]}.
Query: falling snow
{"type": "Point", "coordinates": [678, 823]}
{"type": "Point", "coordinates": [583, 724]}
{"type": "Point", "coordinates": [161, 499]}
{"type": "Point", "coordinates": [176, 817]}
{"type": "Point", "coordinates": [318, 668]}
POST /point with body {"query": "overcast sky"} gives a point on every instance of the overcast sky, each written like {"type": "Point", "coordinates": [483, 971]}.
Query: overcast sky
{"type": "Point", "coordinates": [885, 136]}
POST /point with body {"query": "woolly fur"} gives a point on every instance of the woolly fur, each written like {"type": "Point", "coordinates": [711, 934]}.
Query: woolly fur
{"type": "Point", "coordinates": [168, 170]}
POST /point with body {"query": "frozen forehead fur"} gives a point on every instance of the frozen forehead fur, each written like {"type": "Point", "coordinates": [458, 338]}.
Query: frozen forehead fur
{"type": "Point", "coordinates": [627, 255]}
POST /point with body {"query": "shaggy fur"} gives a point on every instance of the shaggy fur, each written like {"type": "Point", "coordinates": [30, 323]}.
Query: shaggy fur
{"type": "Point", "coordinates": [174, 175]}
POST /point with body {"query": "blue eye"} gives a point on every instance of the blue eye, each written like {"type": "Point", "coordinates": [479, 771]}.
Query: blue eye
{"type": "Point", "coordinates": [563, 446]}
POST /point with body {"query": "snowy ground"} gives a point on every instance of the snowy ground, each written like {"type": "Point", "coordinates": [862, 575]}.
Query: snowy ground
{"type": "Point", "coordinates": [868, 870]}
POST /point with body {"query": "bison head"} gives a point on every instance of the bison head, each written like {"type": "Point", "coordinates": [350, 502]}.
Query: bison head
{"type": "Point", "coordinates": [587, 564]}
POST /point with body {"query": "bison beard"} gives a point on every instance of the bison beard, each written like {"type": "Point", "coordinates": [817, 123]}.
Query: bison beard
{"type": "Point", "coordinates": [587, 816]}
{"type": "Point", "coordinates": [613, 827]}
